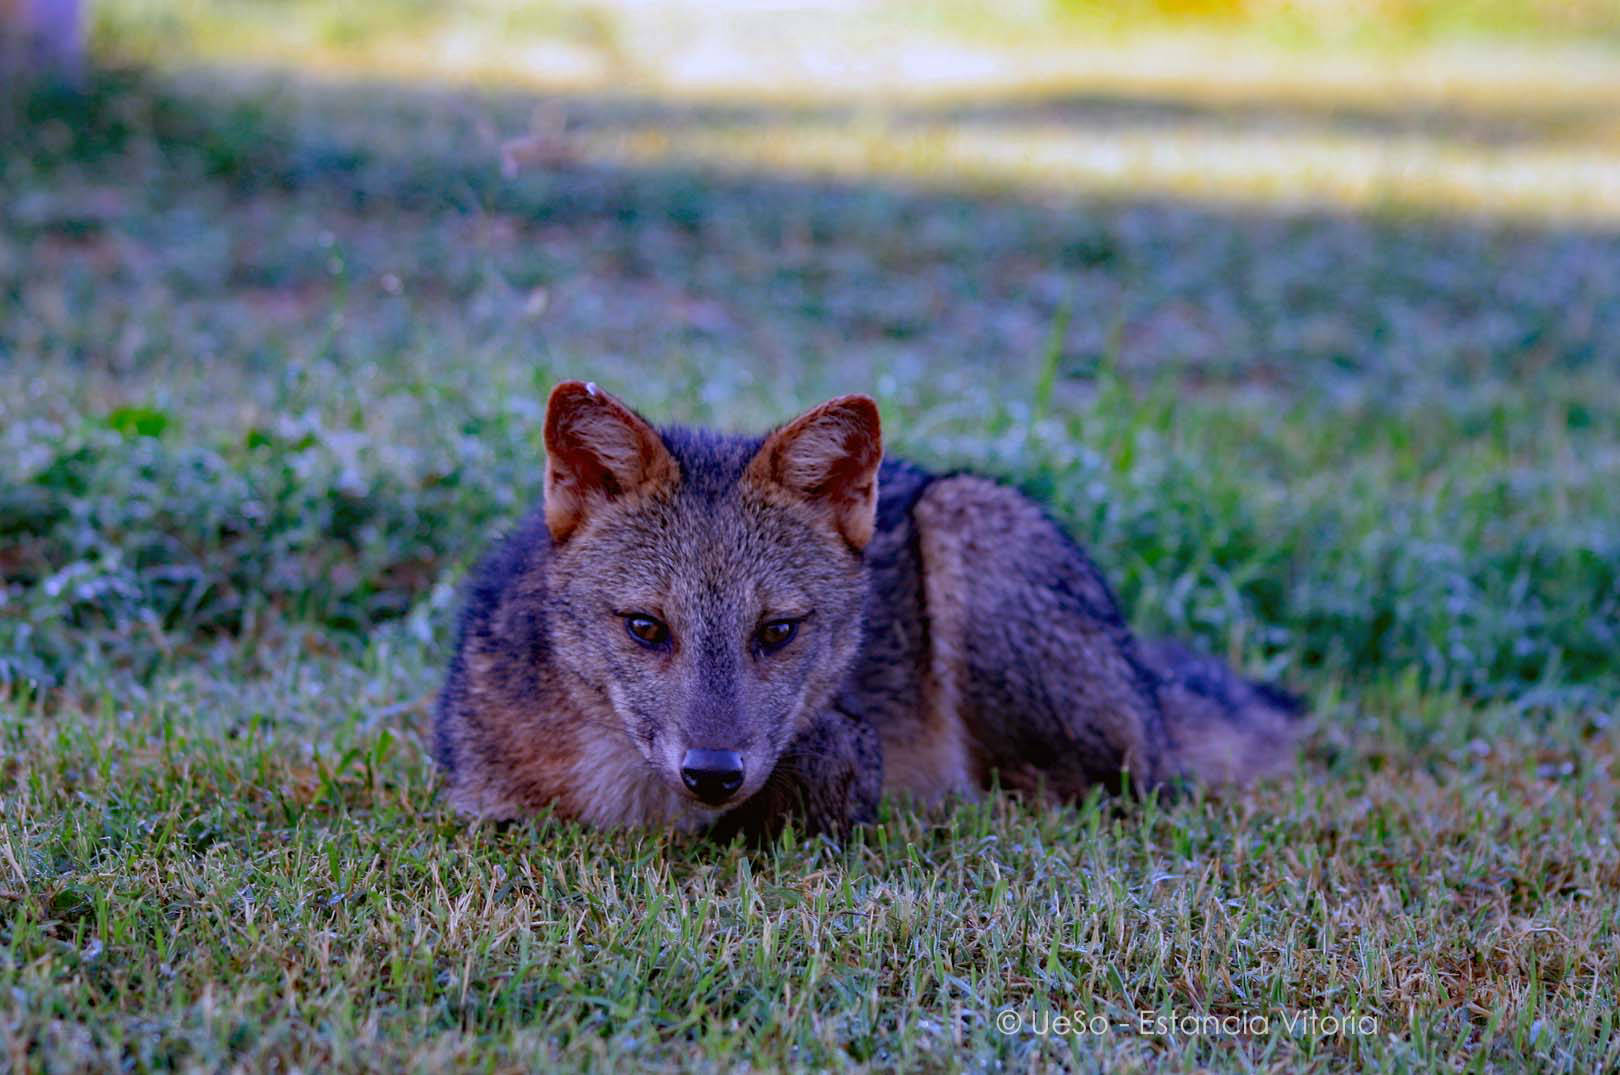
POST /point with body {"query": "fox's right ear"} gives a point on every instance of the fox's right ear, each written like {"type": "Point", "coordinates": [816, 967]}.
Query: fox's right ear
{"type": "Point", "coordinates": [597, 450]}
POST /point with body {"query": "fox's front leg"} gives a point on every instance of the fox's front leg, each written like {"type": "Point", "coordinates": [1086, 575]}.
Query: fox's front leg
{"type": "Point", "coordinates": [828, 779]}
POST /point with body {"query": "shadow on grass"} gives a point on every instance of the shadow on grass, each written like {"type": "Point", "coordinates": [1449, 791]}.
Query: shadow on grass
{"type": "Point", "coordinates": [1527, 124]}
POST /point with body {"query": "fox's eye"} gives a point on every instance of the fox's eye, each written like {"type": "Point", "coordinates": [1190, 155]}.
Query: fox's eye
{"type": "Point", "coordinates": [776, 634]}
{"type": "Point", "coordinates": [646, 630]}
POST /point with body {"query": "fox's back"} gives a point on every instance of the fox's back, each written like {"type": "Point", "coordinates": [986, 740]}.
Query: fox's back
{"type": "Point", "coordinates": [994, 648]}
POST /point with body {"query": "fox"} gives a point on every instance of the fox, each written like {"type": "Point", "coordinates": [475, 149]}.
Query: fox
{"type": "Point", "coordinates": [730, 634]}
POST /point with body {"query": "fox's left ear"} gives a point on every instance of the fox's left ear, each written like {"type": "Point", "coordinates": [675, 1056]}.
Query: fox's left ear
{"type": "Point", "coordinates": [827, 457]}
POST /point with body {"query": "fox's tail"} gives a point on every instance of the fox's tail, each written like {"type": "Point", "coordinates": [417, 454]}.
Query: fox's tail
{"type": "Point", "coordinates": [1225, 729]}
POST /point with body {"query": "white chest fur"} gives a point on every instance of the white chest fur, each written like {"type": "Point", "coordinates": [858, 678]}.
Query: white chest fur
{"type": "Point", "coordinates": [618, 788]}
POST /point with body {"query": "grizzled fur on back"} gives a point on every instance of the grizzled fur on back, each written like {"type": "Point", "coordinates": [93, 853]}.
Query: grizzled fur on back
{"type": "Point", "coordinates": [941, 633]}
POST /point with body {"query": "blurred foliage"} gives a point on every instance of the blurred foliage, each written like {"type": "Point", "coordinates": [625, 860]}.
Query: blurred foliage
{"type": "Point", "coordinates": [1308, 20]}
{"type": "Point", "coordinates": [609, 45]}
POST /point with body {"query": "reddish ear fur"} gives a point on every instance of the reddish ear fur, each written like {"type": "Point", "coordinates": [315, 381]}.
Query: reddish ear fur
{"type": "Point", "coordinates": [828, 457]}
{"type": "Point", "coordinates": [597, 449]}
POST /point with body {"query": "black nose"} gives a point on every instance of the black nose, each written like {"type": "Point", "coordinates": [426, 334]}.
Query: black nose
{"type": "Point", "coordinates": [712, 775]}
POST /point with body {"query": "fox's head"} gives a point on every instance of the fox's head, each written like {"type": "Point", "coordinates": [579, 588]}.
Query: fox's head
{"type": "Point", "coordinates": [709, 589]}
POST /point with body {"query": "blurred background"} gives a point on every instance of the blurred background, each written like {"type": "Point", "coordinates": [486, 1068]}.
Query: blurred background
{"type": "Point", "coordinates": [1305, 314]}
{"type": "Point", "coordinates": [1498, 105]}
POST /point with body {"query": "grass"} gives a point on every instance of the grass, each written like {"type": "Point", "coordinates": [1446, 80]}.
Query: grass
{"type": "Point", "coordinates": [273, 352]}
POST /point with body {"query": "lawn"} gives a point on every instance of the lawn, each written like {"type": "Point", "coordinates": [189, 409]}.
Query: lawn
{"type": "Point", "coordinates": [1319, 353]}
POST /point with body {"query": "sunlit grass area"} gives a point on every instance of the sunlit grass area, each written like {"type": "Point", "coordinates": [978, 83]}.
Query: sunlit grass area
{"type": "Point", "coordinates": [1310, 331]}
{"type": "Point", "coordinates": [1365, 106]}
